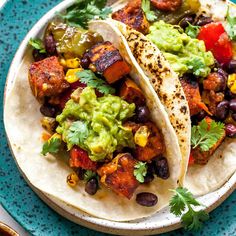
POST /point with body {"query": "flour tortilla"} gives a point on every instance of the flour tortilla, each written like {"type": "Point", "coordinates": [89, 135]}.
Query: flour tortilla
{"type": "Point", "coordinates": [48, 174]}
{"type": "Point", "coordinates": [198, 179]}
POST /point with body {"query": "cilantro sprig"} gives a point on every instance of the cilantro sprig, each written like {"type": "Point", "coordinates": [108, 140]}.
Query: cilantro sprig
{"type": "Point", "coordinates": [140, 171]}
{"type": "Point", "coordinates": [89, 78]}
{"type": "Point", "coordinates": [231, 25]}
{"type": "Point", "coordinates": [37, 44]}
{"type": "Point", "coordinates": [192, 30]}
{"type": "Point", "coordinates": [206, 135]}
{"type": "Point", "coordinates": [183, 200]}
{"type": "Point", "coordinates": [150, 15]}
{"type": "Point", "coordinates": [77, 134]}
{"type": "Point", "coordinates": [89, 174]}
{"type": "Point", "coordinates": [80, 13]}
{"type": "Point", "coordinates": [52, 145]}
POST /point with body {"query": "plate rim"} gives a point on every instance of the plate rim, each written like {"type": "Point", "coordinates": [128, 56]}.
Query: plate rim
{"type": "Point", "coordinates": [11, 76]}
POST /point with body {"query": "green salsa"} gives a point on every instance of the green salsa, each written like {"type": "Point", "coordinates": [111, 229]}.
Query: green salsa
{"type": "Point", "coordinates": [95, 124]}
{"type": "Point", "coordinates": [185, 54]}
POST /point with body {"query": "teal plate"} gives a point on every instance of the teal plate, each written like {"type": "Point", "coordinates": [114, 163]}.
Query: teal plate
{"type": "Point", "coordinates": [16, 18]}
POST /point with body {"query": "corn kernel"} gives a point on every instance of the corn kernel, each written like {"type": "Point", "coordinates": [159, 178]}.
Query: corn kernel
{"type": "Point", "coordinates": [72, 179]}
{"type": "Point", "coordinates": [45, 86]}
{"type": "Point", "coordinates": [232, 83]}
{"type": "Point", "coordinates": [73, 63]}
{"type": "Point", "coordinates": [71, 76]}
{"type": "Point", "coordinates": [141, 136]}
{"type": "Point", "coordinates": [63, 62]}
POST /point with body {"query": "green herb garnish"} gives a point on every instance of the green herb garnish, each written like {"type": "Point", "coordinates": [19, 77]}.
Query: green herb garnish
{"type": "Point", "coordinates": [89, 174]}
{"type": "Point", "coordinates": [80, 13]}
{"type": "Point", "coordinates": [52, 145]}
{"type": "Point", "coordinates": [231, 25]}
{"type": "Point", "coordinates": [37, 44]}
{"type": "Point", "coordinates": [140, 171]}
{"type": "Point", "coordinates": [89, 78]}
{"type": "Point", "coordinates": [192, 30]}
{"type": "Point", "coordinates": [184, 200]}
{"type": "Point", "coordinates": [150, 15]}
{"type": "Point", "coordinates": [77, 134]}
{"type": "Point", "coordinates": [206, 135]}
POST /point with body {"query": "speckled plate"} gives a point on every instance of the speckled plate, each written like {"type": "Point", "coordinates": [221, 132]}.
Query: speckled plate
{"type": "Point", "coordinates": [35, 216]}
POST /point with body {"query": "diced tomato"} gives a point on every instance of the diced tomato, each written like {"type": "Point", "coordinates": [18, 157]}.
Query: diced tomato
{"type": "Point", "coordinates": [217, 41]}
{"type": "Point", "coordinates": [191, 160]}
{"type": "Point", "coordinates": [80, 158]}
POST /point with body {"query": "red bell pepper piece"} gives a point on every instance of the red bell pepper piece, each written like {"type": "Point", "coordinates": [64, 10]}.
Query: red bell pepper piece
{"type": "Point", "coordinates": [217, 41]}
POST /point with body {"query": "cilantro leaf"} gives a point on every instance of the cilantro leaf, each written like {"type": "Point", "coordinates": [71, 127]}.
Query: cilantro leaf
{"type": "Point", "coordinates": [82, 12]}
{"type": "Point", "coordinates": [89, 78]}
{"type": "Point", "coordinates": [231, 25]}
{"type": "Point", "coordinates": [140, 171]}
{"type": "Point", "coordinates": [151, 16]}
{"type": "Point", "coordinates": [182, 200]}
{"type": "Point", "coordinates": [37, 44]}
{"type": "Point", "coordinates": [89, 174]}
{"type": "Point", "coordinates": [77, 134]}
{"type": "Point", "coordinates": [192, 220]}
{"type": "Point", "coordinates": [206, 135]}
{"type": "Point", "coordinates": [52, 145]}
{"type": "Point", "coordinates": [192, 30]}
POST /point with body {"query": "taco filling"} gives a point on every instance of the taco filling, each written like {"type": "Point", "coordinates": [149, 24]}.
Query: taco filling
{"type": "Point", "coordinates": [199, 45]}
{"type": "Point", "coordinates": [95, 112]}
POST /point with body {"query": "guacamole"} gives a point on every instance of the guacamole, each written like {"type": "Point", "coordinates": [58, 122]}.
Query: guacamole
{"type": "Point", "coordinates": [185, 54]}
{"type": "Point", "coordinates": [95, 124]}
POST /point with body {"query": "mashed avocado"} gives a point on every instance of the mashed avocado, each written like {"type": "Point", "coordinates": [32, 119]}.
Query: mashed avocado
{"type": "Point", "coordinates": [185, 54]}
{"type": "Point", "coordinates": [95, 124]}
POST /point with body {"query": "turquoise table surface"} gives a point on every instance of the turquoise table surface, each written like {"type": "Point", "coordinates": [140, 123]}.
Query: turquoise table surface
{"type": "Point", "coordinates": [16, 18]}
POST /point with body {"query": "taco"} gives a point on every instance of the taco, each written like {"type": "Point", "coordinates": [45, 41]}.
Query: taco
{"type": "Point", "coordinates": [197, 38]}
{"type": "Point", "coordinates": [87, 128]}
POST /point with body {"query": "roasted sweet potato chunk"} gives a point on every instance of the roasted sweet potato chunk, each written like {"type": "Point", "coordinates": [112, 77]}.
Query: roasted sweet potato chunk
{"type": "Point", "coordinates": [132, 93]}
{"type": "Point", "coordinates": [155, 145]}
{"type": "Point", "coordinates": [80, 158]}
{"type": "Point", "coordinates": [106, 59]}
{"type": "Point", "coordinates": [133, 16]}
{"type": "Point", "coordinates": [46, 78]}
{"type": "Point", "coordinates": [201, 157]}
{"type": "Point", "coordinates": [118, 175]}
{"type": "Point", "coordinates": [192, 93]}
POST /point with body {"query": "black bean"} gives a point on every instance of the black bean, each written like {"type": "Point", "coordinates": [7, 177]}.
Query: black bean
{"type": "Point", "coordinates": [229, 95]}
{"type": "Point", "coordinates": [148, 178]}
{"type": "Point", "coordinates": [146, 199]}
{"type": "Point", "coordinates": [231, 67]}
{"type": "Point", "coordinates": [85, 61]}
{"type": "Point", "coordinates": [91, 186]}
{"type": "Point", "coordinates": [38, 56]}
{"type": "Point", "coordinates": [233, 116]}
{"type": "Point", "coordinates": [184, 22]}
{"type": "Point", "coordinates": [143, 114]}
{"type": "Point", "coordinates": [222, 110]}
{"type": "Point", "coordinates": [230, 130]}
{"type": "Point", "coordinates": [232, 105]}
{"type": "Point", "coordinates": [223, 76]}
{"type": "Point", "coordinates": [151, 168]}
{"type": "Point", "coordinates": [80, 172]}
{"type": "Point", "coordinates": [48, 110]}
{"type": "Point", "coordinates": [50, 45]}
{"type": "Point", "coordinates": [162, 168]}
{"type": "Point", "coordinates": [201, 115]}
{"type": "Point", "coordinates": [203, 20]}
